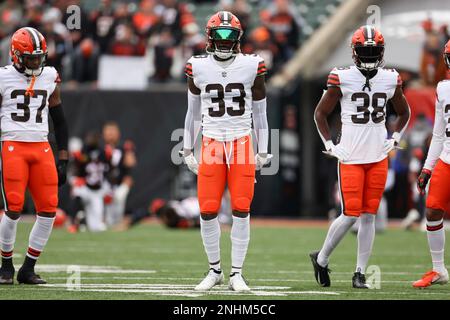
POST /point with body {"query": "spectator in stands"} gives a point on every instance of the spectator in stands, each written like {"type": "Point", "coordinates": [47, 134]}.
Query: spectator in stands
{"type": "Point", "coordinates": [126, 43]}
{"type": "Point", "coordinates": [242, 10]}
{"type": "Point", "coordinates": [174, 21]}
{"type": "Point", "coordinates": [173, 17]}
{"type": "Point", "coordinates": [145, 19]}
{"type": "Point", "coordinates": [122, 14]}
{"type": "Point", "coordinates": [433, 69]}
{"type": "Point", "coordinates": [57, 37]}
{"type": "Point", "coordinates": [85, 62]}
{"type": "Point", "coordinates": [282, 20]}
{"type": "Point", "coordinates": [10, 17]}
{"type": "Point", "coordinates": [33, 13]}
{"type": "Point", "coordinates": [262, 43]}
{"type": "Point", "coordinates": [102, 22]}
{"type": "Point", "coordinates": [193, 42]}
{"type": "Point", "coordinates": [164, 46]}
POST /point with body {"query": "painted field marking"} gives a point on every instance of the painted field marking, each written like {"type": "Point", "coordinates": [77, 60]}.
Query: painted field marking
{"type": "Point", "coordinates": [53, 268]}
{"type": "Point", "coordinates": [187, 290]}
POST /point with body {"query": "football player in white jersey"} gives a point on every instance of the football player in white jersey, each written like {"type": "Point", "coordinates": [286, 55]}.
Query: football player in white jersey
{"type": "Point", "coordinates": [29, 91]}
{"type": "Point", "coordinates": [226, 92]}
{"type": "Point", "coordinates": [437, 167]}
{"type": "Point", "coordinates": [363, 91]}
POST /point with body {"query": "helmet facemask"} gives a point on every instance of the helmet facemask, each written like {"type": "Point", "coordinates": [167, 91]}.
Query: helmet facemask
{"type": "Point", "coordinates": [33, 64]}
{"type": "Point", "coordinates": [368, 57]}
{"type": "Point", "coordinates": [224, 42]}
{"type": "Point", "coordinates": [447, 60]}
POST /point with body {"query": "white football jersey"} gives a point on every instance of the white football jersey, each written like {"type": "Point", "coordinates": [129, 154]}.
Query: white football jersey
{"type": "Point", "coordinates": [440, 143]}
{"type": "Point", "coordinates": [24, 117]}
{"type": "Point", "coordinates": [363, 111]}
{"type": "Point", "coordinates": [226, 95]}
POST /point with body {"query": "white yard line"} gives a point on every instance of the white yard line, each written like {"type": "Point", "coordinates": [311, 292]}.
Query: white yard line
{"type": "Point", "coordinates": [187, 290]}
{"type": "Point", "coordinates": [51, 268]}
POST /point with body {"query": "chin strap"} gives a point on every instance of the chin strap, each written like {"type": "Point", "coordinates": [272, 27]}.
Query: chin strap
{"type": "Point", "coordinates": [30, 89]}
{"type": "Point", "coordinates": [368, 74]}
{"type": "Point", "coordinates": [367, 84]}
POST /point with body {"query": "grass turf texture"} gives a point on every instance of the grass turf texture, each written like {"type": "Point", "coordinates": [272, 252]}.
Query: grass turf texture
{"type": "Point", "coordinates": [156, 263]}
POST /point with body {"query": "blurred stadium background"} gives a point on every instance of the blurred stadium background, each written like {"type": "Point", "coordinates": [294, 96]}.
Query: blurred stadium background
{"type": "Point", "coordinates": [126, 65]}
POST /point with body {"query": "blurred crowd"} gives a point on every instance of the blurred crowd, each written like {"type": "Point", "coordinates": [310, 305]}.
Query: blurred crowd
{"type": "Point", "coordinates": [433, 68]}
{"type": "Point", "coordinates": [164, 31]}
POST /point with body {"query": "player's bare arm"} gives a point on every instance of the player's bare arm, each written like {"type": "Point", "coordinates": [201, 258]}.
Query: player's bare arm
{"type": "Point", "coordinates": [324, 108]}
{"type": "Point", "coordinates": [192, 87]}
{"type": "Point", "coordinates": [401, 107]}
{"type": "Point", "coordinates": [258, 89]}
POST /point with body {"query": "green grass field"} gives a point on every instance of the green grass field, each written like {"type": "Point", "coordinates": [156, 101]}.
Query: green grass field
{"type": "Point", "coordinates": [152, 262]}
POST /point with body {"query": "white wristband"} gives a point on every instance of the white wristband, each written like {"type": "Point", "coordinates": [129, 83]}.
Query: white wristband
{"type": "Point", "coordinates": [397, 137]}
{"type": "Point", "coordinates": [328, 145]}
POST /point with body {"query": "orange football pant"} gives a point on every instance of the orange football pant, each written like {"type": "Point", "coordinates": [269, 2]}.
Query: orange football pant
{"type": "Point", "coordinates": [439, 192]}
{"type": "Point", "coordinates": [224, 163]}
{"type": "Point", "coordinates": [32, 165]}
{"type": "Point", "coordinates": [362, 186]}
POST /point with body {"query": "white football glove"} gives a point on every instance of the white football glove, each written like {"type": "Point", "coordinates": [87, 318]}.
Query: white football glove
{"type": "Point", "coordinates": [190, 161]}
{"type": "Point", "coordinates": [260, 161]}
{"type": "Point", "coordinates": [336, 151]}
{"type": "Point", "coordinates": [391, 144]}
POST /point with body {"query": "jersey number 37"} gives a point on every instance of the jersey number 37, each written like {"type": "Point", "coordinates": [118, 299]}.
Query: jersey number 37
{"type": "Point", "coordinates": [25, 106]}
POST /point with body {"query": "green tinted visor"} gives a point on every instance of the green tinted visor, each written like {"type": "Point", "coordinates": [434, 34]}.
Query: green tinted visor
{"type": "Point", "coordinates": [225, 34]}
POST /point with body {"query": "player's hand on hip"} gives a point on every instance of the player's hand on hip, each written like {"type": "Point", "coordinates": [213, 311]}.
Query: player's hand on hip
{"type": "Point", "coordinates": [422, 180]}
{"type": "Point", "coordinates": [336, 151]}
{"type": "Point", "coordinates": [261, 159]}
{"type": "Point", "coordinates": [190, 160]}
{"type": "Point", "coordinates": [61, 168]}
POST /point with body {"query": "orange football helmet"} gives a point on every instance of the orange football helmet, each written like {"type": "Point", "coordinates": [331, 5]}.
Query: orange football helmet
{"type": "Point", "coordinates": [368, 48]}
{"type": "Point", "coordinates": [28, 51]}
{"type": "Point", "coordinates": [447, 54]}
{"type": "Point", "coordinates": [224, 32]}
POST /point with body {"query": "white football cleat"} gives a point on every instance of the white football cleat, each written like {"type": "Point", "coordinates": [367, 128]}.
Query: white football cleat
{"type": "Point", "coordinates": [238, 283]}
{"type": "Point", "coordinates": [213, 278]}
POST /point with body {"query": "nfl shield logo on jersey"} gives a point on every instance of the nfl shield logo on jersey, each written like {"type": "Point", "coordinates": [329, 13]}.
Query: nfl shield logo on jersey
{"type": "Point", "coordinates": [224, 74]}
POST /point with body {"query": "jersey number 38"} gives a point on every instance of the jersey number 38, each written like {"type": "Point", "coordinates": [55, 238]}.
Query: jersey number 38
{"type": "Point", "coordinates": [362, 101]}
